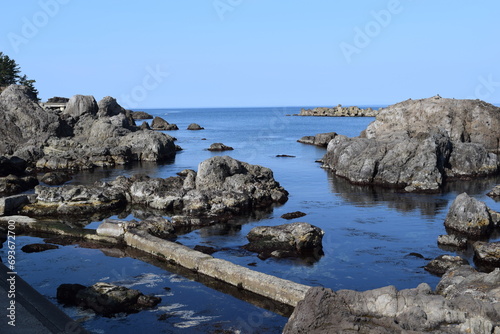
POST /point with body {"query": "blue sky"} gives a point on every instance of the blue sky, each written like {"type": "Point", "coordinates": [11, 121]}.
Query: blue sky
{"type": "Point", "coordinates": [221, 53]}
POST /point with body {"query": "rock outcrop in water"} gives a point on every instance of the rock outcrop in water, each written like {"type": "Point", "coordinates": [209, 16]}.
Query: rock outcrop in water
{"type": "Point", "coordinates": [465, 301]}
{"type": "Point", "coordinates": [84, 135]}
{"type": "Point", "coordinates": [223, 187]}
{"type": "Point", "coordinates": [105, 299]}
{"type": "Point", "coordinates": [288, 240]}
{"type": "Point", "coordinates": [339, 111]}
{"type": "Point", "coordinates": [161, 124]}
{"type": "Point", "coordinates": [321, 139]}
{"type": "Point", "coordinates": [470, 217]}
{"type": "Point", "coordinates": [418, 144]}
{"type": "Point", "coordinates": [219, 147]}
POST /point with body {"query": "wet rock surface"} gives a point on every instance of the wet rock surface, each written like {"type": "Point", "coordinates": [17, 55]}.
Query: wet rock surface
{"type": "Point", "coordinates": [465, 301]}
{"type": "Point", "coordinates": [37, 248]}
{"type": "Point", "coordinates": [293, 215]}
{"type": "Point", "coordinates": [105, 299]}
{"type": "Point", "coordinates": [443, 263]}
{"type": "Point", "coordinates": [288, 240]}
{"type": "Point", "coordinates": [418, 144]}
{"type": "Point", "coordinates": [451, 240]}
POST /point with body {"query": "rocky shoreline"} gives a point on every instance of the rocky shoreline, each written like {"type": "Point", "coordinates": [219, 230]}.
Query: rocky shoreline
{"type": "Point", "coordinates": [413, 146]}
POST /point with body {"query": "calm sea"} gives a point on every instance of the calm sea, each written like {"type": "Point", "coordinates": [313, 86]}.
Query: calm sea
{"type": "Point", "coordinates": [369, 232]}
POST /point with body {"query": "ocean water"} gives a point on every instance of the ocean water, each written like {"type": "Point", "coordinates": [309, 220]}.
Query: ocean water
{"type": "Point", "coordinates": [369, 231]}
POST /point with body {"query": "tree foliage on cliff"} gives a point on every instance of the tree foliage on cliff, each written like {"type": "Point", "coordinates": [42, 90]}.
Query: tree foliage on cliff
{"type": "Point", "coordinates": [10, 74]}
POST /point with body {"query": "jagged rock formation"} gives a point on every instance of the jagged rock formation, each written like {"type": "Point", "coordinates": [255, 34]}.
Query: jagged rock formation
{"type": "Point", "coordinates": [84, 135]}
{"type": "Point", "coordinates": [418, 144]}
{"type": "Point", "coordinates": [222, 188]}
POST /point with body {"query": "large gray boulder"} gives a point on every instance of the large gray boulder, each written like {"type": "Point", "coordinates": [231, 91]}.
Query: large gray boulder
{"type": "Point", "coordinates": [465, 121]}
{"type": "Point", "coordinates": [81, 105]}
{"type": "Point", "coordinates": [416, 145]}
{"type": "Point", "coordinates": [23, 122]}
{"type": "Point", "coordinates": [465, 301]}
{"type": "Point", "coordinates": [469, 216]}
{"type": "Point", "coordinates": [223, 174]}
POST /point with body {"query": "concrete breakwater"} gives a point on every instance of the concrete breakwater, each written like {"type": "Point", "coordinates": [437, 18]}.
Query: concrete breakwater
{"type": "Point", "coordinates": [339, 111]}
{"type": "Point", "coordinates": [122, 233]}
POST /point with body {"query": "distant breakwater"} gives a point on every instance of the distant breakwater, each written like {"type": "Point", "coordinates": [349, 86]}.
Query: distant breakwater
{"type": "Point", "coordinates": [338, 111]}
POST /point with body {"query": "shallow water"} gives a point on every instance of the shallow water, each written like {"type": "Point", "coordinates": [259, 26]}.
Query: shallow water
{"type": "Point", "coordinates": [369, 232]}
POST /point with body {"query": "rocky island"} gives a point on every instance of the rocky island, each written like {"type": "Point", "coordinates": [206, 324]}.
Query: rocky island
{"type": "Point", "coordinates": [417, 145]}
{"type": "Point", "coordinates": [339, 111]}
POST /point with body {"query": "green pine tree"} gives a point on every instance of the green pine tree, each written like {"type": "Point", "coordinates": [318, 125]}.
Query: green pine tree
{"type": "Point", "coordinates": [10, 74]}
{"type": "Point", "coordinates": [9, 71]}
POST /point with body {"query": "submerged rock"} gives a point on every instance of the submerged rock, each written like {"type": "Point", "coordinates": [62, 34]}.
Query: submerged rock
{"type": "Point", "coordinates": [105, 299]}
{"type": "Point", "coordinates": [417, 144]}
{"type": "Point", "coordinates": [464, 302]}
{"type": "Point", "coordinates": [295, 239]}
{"type": "Point", "coordinates": [37, 248]}
{"type": "Point", "coordinates": [293, 215]}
